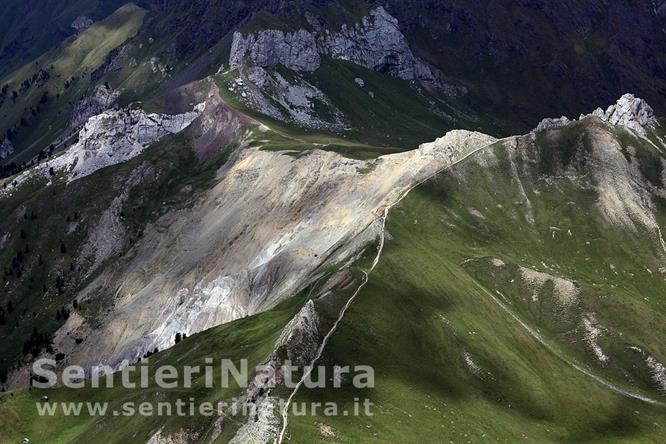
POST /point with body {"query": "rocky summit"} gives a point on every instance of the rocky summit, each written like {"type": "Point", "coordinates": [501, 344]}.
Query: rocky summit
{"type": "Point", "coordinates": [629, 111]}
{"type": "Point", "coordinates": [332, 221]}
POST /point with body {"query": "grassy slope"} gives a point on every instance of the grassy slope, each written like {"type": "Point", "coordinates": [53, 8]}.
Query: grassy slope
{"type": "Point", "coordinates": [397, 115]}
{"type": "Point", "coordinates": [400, 116]}
{"type": "Point", "coordinates": [30, 30]}
{"type": "Point", "coordinates": [251, 338]}
{"type": "Point", "coordinates": [431, 299]}
{"type": "Point", "coordinates": [72, 61]}
{"type": "Point", "coordinates": [402, 113]}
{"type": "Point", "coordinates": [289, 138]}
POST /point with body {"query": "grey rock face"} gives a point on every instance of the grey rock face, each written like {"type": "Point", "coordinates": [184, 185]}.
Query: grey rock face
{"type": "Point", "coordinates": [109, 138]}
{"type": "Point", "coordinates": [6, 148]}
{"type": "Point", "coordinates": [628, 111]}
{"type": "Point", "coordinates": [292, 100]}
{"type": "Point", "coordinates": [552, 123]}
{"type": "Point", "coordinates": [375, 43]}
{"type": "Point", "coordinates": [301, 336]}
{"type": "Point", "coordinates": [269, 48]}
{"type": "Point", "coordinates": [101, 99]}
{"type": "Point", "coordinates": [116, 136]}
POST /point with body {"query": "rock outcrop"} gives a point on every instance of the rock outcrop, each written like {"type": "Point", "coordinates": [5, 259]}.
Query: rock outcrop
{"type": "Point", "coordinates": [270, 48]}
{"type": "Point", "coordinates": [6, 148]}
{"type": "Point", "coordinates": [293, 100]}
{"type": "Point", "coordinates": [629, 111]}
{"type": "Point", "coordinates": [550, 122]}
{"type": "Point", "coordinates": [301, 336]}
{"type": "Point", "coordinates": [82, 22]}
{"type": "Point", "coordinates": [117, 136]}
{"type": "Point", "coordinates": [300, 339]}
{"type": "Point", "coordinates": [101, 99]}
{"type": "Point", "coordinates": [107, 139]}
{"type": "Point", "coordinates": [375, 43]}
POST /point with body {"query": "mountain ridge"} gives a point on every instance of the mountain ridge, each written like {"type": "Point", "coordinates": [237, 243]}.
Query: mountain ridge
{"type": "Point", "coordinates": [340, 183]}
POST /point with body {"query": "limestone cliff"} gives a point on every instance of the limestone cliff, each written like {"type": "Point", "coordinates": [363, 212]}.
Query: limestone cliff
{"type": "Point", "coordinates": [107, 139]}
{"type": "Point", "coordinates": [376, 42]}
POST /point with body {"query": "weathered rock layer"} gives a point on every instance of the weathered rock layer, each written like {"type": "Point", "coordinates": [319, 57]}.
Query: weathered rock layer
{"type": "Point", "coordinates": [375, 43]}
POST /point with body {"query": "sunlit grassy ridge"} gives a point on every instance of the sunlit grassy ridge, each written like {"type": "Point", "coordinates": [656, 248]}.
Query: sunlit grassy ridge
{"type": "Point", "coordinates": [58, 79]}
{"type": "Point", "coordinates": [45, 26]}
{"type": "Point", "coordinates": [452, 364]}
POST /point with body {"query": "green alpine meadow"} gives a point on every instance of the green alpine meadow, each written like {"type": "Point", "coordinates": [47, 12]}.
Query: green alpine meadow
{"type": "Point", "coordinates": [332, 221]}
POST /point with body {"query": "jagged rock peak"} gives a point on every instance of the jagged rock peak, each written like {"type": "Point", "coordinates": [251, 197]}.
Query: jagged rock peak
{"type": "Point", "coordinates": [301, 335]}
{"type": "Point", "coordinates": [375, 43]}
{"type": "Point", "coordinates": [629, 111]}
